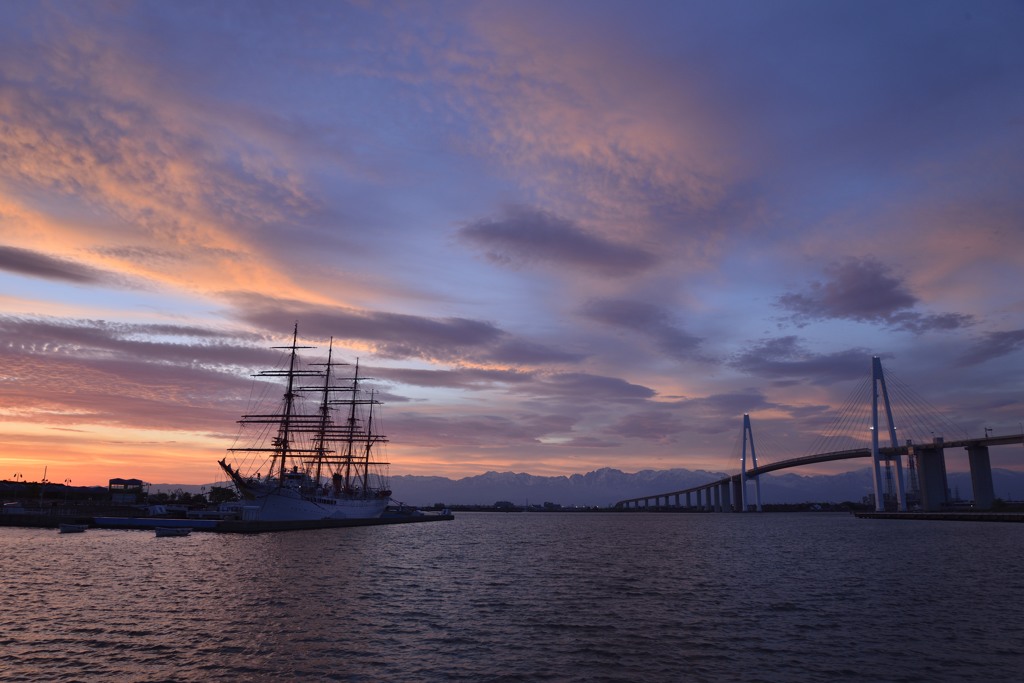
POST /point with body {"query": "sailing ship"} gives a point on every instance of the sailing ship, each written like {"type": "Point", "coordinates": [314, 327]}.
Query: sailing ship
{"type": "Point", "coordinates": [320, 463]}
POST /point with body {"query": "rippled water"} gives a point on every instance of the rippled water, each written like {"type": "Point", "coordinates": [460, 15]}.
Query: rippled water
{"type": "Point", "coordinates": [523, 597]}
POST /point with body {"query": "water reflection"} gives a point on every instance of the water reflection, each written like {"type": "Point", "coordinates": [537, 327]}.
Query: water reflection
{"type": "Point", "coordinates": [522, 597]}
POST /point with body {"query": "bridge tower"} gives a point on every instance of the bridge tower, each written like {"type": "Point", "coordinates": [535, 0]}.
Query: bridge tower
{"type": "Point", "coordinates": [878, 382]}
{"type": "Point", "coordinates": [748, 434]}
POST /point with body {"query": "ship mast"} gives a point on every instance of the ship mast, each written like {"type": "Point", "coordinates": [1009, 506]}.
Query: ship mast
{"type": "Point", "coordinates": [320, 441]}
{"type": "Point", "coordinates": [372, 438]}
{"type": "Point", "coordinates": [282, 441]}
{"type": "Point", "coordinates": [351, 430]}
{"type": "Point", "coordinates": [287, 422]}
{"type": "Point", "coordinates": [369, 443]}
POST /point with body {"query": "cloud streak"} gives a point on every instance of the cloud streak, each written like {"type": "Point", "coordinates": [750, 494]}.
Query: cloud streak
{"type": "Point", "coordinates": [992, 346]}
{"type": "Point", "coordinates": [784, 360]}
{"type": "Point", "coordinates": [398, 335]}
{"type": "Point", "coordinates": [40, 265]}
{"type": "Point", "coordinates": [525, 236]}
{"type": "Point", "coordinates": [647, 320]}
{"type": "Point", "coordinates": [864, 290]}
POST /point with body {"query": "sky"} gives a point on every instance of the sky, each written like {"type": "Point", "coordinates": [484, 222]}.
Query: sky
{"type": "Point", "coordinates": [560, 236]}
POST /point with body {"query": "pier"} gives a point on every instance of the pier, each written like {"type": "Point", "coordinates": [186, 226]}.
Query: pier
{"type": "Point", "coordinates": [946, 516]}
{"type": "Point", "coordinates": [53, 518]}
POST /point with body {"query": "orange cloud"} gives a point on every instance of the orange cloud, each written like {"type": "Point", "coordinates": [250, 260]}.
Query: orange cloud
{"type": "Point", "coordinates": [591, 130]}
{"type": "Point", "coordinates": [172, 191]}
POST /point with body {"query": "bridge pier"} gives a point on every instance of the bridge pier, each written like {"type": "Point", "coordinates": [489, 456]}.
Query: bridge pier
{"type": "Point", "coordinates": [981, 477]}
{"type": "Point", "coordinates": [931, 475]}
{"type": "Point", "coordinates": [687, 499]}
{"type": "Point", "coordinates": [737, 494]}
{"type": "Point", "coordinates": [726, 502]}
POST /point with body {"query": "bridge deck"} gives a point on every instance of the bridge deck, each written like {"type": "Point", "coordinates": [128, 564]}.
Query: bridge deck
{"type": "Point", "coordinates": [888, 452]}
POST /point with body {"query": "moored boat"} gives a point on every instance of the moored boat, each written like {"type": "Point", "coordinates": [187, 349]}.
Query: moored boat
{"type": "Point", "coordinates": [173, 531]}
{"type": "Point", "coordinates": [320, 457]}
{"type": "Point", "coordinates": [67, 528]}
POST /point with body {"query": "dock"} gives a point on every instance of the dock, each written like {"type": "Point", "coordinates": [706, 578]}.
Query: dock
{"type": "Point", "coordinates": [230, 526]}
{"type": "Point", "coordinates": [946, 516]}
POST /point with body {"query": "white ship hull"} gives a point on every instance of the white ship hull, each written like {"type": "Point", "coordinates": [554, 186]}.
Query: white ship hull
{"type": "Point", "coordinates": [285, 505]}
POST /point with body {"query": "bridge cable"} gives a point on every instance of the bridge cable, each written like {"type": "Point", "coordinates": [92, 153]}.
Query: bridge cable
{"type": "Point", "coordinates": [849, 425]}
{"type": "Point", "coordinates": [920, 418]}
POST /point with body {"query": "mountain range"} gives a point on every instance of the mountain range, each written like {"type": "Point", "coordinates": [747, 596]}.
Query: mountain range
{"type": "Point", "coordinates": [605, 486]}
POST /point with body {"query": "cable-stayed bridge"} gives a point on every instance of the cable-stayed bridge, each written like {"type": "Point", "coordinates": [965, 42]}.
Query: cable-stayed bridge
{"type": "Point", "coordinates": [926, 466]}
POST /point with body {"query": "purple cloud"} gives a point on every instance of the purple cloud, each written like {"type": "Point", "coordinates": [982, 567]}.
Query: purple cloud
{"type": "Point", "coordinates": [864, 290]}
{"type": "Point", "coordinates": [587, 387]}
{"type": "Point", "coordinates": [785, 361]}
{"type": "Point", "coordinates": [398, 335]}
{"type": "Point", "coordinates": [36, 264]}
{"type": "Point", "coordinates": [475, 430]}
{"type": "Point", "coordinates": [524, 235]}
{"type": "Point", "coordinates": [523, 352]}
{"type": "Point", "coordinates": [459, 378]}
{"type": "Point", "coordinates": [993, 345]}
{"type": "Point", "coordinates": [665, 422]}
{"type": "Point", "coordinates": [648, 320]}
{"type": "Point", "coordinates": [105, 373]}
{"type": "Point", "coordinates": [99, 339]}
{"type": "Point", "coordinates": [655, 424]}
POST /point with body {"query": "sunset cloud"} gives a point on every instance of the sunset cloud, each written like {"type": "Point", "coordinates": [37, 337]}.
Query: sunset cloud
{"type": "Point", "coordinates": [36, 264]}
{"type": "Point", "coordinates": [396, 335]}
{"type": "Point", "coordinates": [992, 346]}
{"type": "Point", "coordinates": [523, 236]}
{"type": "Point", "coordinates": [785, 359]}
{"type": "Point", "coordinates": [865, 290]}
{"type": "Point", "coordinates": [557, 235]}
{"type": "Point", "coordinates": [648, 320]}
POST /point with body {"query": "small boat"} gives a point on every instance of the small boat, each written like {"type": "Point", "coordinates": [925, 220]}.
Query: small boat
{"type": "Point", "coordinates": [66, 528]}
{"type": "Point", "coordinates": [173, 531]}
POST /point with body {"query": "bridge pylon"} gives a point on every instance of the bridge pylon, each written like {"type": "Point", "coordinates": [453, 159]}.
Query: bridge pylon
{"type": "Point", "coordinates": [748, 435]}
{"type": "Point", "coordinates": [878, 383]}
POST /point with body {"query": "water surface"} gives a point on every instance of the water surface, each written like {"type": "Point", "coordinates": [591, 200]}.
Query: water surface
{"type": "Point", "coordinates": [523, 597]}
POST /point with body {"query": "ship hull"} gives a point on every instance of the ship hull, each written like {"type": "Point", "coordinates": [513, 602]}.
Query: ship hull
{"type": "Point", "coordinates": [285, 506]}
{"type": "Point", "coordinates": [270, 502]}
